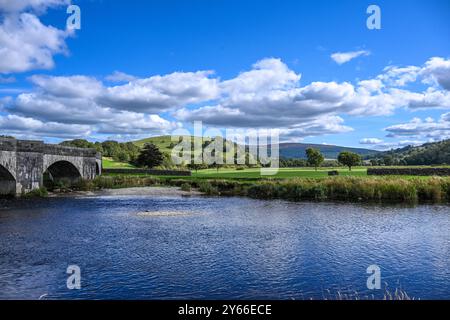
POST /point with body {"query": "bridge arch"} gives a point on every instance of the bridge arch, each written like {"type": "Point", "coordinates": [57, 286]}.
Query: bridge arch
{"type": "Point", "coordinates": [61, 173]}
{"type": "Point", "coordinates": [7, 182]}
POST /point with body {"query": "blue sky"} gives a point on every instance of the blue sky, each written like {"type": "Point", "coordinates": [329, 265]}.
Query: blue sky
{"type": "Point", "coordinates": [307, 94]}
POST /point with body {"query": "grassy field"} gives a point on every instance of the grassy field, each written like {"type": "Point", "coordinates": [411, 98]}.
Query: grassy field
{"type": "Point", "coordinates": [255, 173]}
{"type": "Point", "coordinates": [283, 173]}
{"type": "Point", "coordinates": [110, 163]}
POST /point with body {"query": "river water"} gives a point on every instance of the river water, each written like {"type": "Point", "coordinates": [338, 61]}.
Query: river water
{"type": "Point", "coordinates": [220, 248]}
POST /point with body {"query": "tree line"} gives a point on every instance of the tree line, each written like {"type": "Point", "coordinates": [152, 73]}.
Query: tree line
{"type": "Point", "coordinates": [349, 159]}
{"type": "Point", "coordinates": [434, 153]}
{"type": "Point", "coordinates": [148, 156]}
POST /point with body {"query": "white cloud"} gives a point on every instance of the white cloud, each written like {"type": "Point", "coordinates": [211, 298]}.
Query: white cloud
{"type": "Point", "coordinates": [266, 75]}
{"type": "Point", "coordinates": [161, 93]}
{"type": "Point", "coordinates": [269, 95]}
{"type": "Point", "coordinates": [344, 57]}
{"type": "Point", "coordinates": [118, 76]}
{"type": "Point", "coordinates": [438, 70]}
{"type": "Point", "coordinates": [371, 141]}
{"type": "Point", "coordinates": [26, 43]}
{"type": "Point", "coordinates": [397, 144]}
{"type": "Point", "coordinates": [428, 129]}
{"type": "Point", "coordinates": [399, 76]}
{"type": "Point", "coordinates": [12, 6]}
{"type": "Point", "coordinates": [74, 100]}
{"type": "Point", "coordinates": [16, 125]}
{"type": "Point", "coordinates": [68, 87]}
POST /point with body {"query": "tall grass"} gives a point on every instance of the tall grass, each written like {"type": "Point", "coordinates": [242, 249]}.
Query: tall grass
{"type": "Point", "coordinates": [379, 189]}
{"type": "Point", "coordinates": [117, 182]}
{"type": "Point", "coordinates": [398, 294]}
{"type": "Point", "coordinates": [352, 189]}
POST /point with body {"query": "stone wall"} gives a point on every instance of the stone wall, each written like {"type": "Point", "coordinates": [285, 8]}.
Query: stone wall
{"type": "Point", "coordinates": [409, 171]}
{"type": "Point", "coordinates": [149, 172]}
{"type": "Point", "coordinates": [27, 160]}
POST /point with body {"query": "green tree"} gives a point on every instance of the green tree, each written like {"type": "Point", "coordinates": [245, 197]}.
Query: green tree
{"type": "Point", "coordinates": [349, 159]}
{"type": "Point", "coordinates": [388, 160]}
{"type": "Point", "coordinates": [122, 156]}
{"type": "Point", "coordinates": [196, 166]}
{"type": "Point", "coordinates": [315, 158]}
{"type": "Point", "coordinates": [150, 156]}
{"type": "Point", "coordinates": [110, 148]}
{"type": "Point", "coordinates": [78, 143]}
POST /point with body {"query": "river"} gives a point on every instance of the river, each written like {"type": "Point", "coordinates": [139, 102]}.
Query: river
{"type": "Point", "coordinates": [174, 247]}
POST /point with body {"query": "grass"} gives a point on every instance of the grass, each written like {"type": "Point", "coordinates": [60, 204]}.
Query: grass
{"type": "Point", "coordinates": [350, 189]}
{"type": "Point", "coordinates": [294, 184]}
{"type": "Point", "coordinates": [283, 173]}
{"type": "Point", "coordinates": [398, 294]}
{"type": "Point", "coordinates": [110, 163]}
{"type": "Point", "coordinates": [165, 143]}
{"type": "Point", "coordinates": [37, 193]}
{"type": "Point", "coordinates": [254, 174]}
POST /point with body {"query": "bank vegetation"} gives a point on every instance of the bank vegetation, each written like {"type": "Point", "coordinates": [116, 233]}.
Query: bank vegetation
{"type": "Point", "coordinates": [350, 189]}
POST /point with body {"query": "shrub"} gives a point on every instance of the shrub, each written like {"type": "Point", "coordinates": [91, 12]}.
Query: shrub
{"type": "Point", "coordinates": [185, 187]}
{"type": "Point", "coordinates": [206, 187]}
{"type": "Point", "coordinates": [115, 182]}
{"type": "Point", "coordinates": [37, 193]}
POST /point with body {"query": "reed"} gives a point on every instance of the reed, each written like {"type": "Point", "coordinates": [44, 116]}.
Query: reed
{"type": "Point", "coordinates": [355, 189]}
{"type": "Point", "coordinates": [351, 189]}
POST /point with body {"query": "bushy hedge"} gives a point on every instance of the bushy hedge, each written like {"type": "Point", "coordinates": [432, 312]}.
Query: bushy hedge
{"type": "Point", "coordinates": [409, 171]}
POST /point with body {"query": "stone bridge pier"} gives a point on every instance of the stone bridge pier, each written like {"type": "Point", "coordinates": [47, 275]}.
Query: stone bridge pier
{"type": "Point", "coordinates": [25, 164]}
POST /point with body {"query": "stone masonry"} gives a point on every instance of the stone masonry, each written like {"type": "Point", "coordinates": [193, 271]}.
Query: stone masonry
{"type": "Point", "coordinates": [24, 162]}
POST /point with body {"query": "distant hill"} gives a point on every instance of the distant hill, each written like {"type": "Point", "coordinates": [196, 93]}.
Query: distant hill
{"type": "Point", "coordinates": [433, 153]}
{"type": "Point", "coordinates": [287, 150]}
{"type": "Point", "coordinates": [298, 150]}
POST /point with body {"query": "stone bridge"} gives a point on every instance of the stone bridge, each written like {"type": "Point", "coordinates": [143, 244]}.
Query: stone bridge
{"type": "Point", "coordinates": [25, 165]}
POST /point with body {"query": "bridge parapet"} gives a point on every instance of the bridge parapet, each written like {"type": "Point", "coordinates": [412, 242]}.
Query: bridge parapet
{"type": "Point", "coordinates": [69, 151]}
{"type": "Point", "coordinates": [30, 146]}
{"type": "Point", "coordinates": [27, 161]}
{"type": "Point", "coordinates": [8, 144]}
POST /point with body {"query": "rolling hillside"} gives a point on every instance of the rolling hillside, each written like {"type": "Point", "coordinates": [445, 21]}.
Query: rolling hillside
{"type": "Point", "coordinates": [434, 153]}
{"type": "Point", "coordinates": [297, 150]}
{"type": "Point", "coordinates": [287, 150]}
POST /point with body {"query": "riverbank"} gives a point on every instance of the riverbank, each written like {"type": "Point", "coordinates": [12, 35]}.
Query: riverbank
{"type": "Point", "coordinates": [155, 191]}
{"type": "Point", "coordinates": [349, 189]}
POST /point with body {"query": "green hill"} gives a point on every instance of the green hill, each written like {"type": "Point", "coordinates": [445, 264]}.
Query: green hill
{"type": "Point", "coordinates": [287, 150]}
{"type": "Point", "coordinates": [298, 150]}
{"type": "Point", "coordinates": [434, 153]}
{"type": "Point", "coordinates": [164, 143]}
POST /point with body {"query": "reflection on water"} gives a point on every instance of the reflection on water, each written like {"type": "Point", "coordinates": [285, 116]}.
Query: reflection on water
{"type": "Point", "coordinates": [228, 248]}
